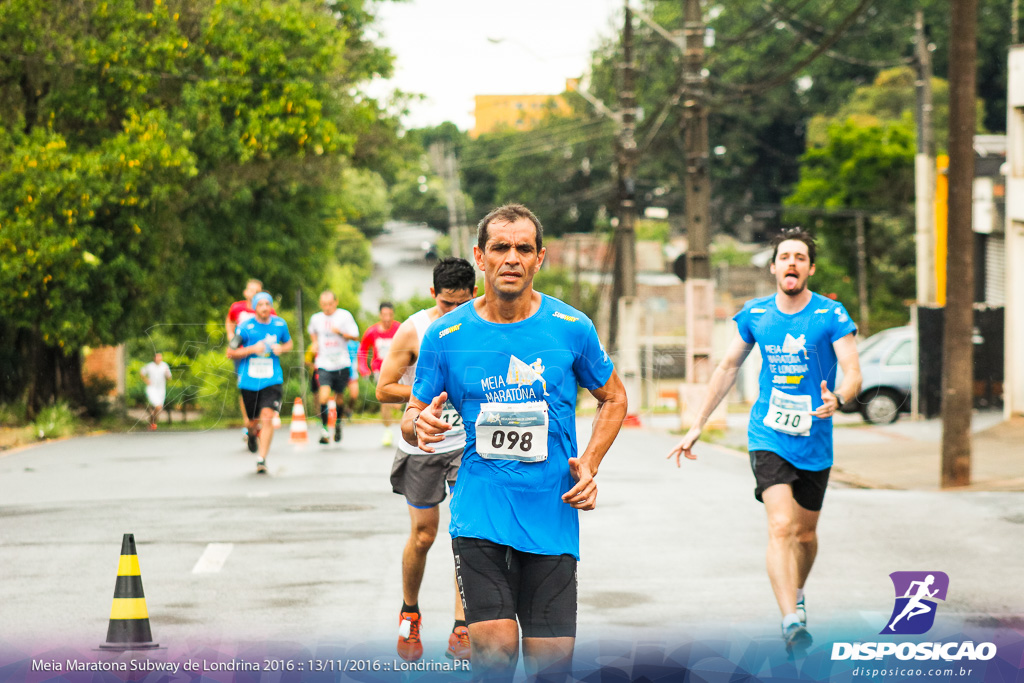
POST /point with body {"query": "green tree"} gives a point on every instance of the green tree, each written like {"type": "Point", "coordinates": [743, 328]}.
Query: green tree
{"type": "Point", "coordinates": [867, 167]}
{"type": "Point", "coordinates": [154, 156]}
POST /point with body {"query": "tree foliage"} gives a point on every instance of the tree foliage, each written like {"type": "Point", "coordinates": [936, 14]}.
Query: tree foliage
{"type": "Point", "coordinates": [153, 156]}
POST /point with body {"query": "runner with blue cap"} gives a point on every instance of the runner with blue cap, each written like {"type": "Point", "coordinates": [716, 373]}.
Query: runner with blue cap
{"type": "Point", "coordinates": [259, 343]}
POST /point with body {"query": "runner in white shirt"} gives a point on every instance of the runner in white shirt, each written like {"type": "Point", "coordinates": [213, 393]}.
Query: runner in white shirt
{"type": "Point", "coordinates": [329, 332]}
{"type": "Point", "coordinates": [155, 374]}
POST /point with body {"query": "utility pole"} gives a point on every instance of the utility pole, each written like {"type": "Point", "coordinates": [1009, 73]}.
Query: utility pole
{"type": "Point", "coordinates": [958, 349]}
{"type": "Point", "coordinates": [924, 167]}
{"type": "Point", "coordinates": [699, 286]}
{"type": "Point", "coordinates": [301, 345]}
{"type": "Point", "coordinates": [624, 241]}
{"type": "Point", "coordinates": [445, 165]}
{"type": "Point", "coordinates": [1015, 22]}
{"type": "Point", "coordinates": [862, 276]}
{"type": "Point", "coordinates": [625, 312]}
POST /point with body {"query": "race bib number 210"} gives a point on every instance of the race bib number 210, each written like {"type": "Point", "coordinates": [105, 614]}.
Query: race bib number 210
{"type": "Point", "coordinates": [789, 414]}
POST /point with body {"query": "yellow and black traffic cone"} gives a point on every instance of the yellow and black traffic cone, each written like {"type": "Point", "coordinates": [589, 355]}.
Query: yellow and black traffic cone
{"type": "Point", "coordinates": [129, 618]}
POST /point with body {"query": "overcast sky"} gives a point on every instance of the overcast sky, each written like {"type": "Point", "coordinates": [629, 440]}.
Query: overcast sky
{"type": "Point", "coordinates": [451, 50]}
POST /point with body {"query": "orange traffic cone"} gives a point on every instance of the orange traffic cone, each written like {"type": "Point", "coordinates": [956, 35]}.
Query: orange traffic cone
{"type": "Point", "coordinates": [298, 430]}
{"type": "Point", "coordinates": [129, 619]}
{"type": "Point", "coordinates": [632, 420]}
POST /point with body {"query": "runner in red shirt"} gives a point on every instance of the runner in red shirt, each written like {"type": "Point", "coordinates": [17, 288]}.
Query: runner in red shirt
{"type": "Point", "coordinates": [378, 340]}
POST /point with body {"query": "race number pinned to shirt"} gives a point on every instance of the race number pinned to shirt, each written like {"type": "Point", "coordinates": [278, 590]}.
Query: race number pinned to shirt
{"type": "Point", "coordinates": [513, 431]}
{"type": "Point", "coordinates": [261, 368]}
{"type": "Point", "coordinates": [334, 352]}
{"type": "Point", "coordinates": [452, 417]}
{"type": "Point", "coordinates": [789, 413]}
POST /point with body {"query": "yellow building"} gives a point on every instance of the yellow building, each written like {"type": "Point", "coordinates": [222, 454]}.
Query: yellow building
{"type": "Point", "coordinates": [516, 112]}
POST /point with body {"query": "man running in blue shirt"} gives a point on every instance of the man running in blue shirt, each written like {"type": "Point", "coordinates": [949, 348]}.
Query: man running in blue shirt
{"type": "Point", "coordinates": [510, 362]}
{"type": "Point", "coordinates": [802, 336]}
{"type": "Point", "coordinates": [259, 343]}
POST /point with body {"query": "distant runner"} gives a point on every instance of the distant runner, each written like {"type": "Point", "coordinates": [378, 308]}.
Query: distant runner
{"type": "Point", "coordinates": [377, 341]}
{"type": "Point", "coordinates": [155, 374]}
{"type": "Point", "coordinates": [259, 343]}
{"type": "Point", "coordinates": [418, 475]}
{"type": "Point", "coordinates": [239, 312]}
{"type": "Point", "coordinates": [329, 332]}
{"type": "Point", "coordinates": [803, 336]}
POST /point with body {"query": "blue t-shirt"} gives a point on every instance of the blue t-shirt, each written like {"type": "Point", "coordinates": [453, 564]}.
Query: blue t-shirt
{"type": "Point", "coordinates": [797, 354]}
{"type": "Point", "coordinates": [543, 358]}
{"type": "Point", "coordinates": [258, 372]}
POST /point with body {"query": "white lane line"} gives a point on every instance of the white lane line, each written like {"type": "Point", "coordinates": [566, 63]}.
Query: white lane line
{"type": "Point", "coordinates": [213, 558]}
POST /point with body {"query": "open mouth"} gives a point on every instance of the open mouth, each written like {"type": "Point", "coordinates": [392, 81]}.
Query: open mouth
{"type": "Point", "coordinates": [790, 279]}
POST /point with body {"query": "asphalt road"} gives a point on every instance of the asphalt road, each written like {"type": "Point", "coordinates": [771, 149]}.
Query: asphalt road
{"type": "Point", "coordinates": [399, 249]}
{"type": "Point", "coordinates": [312, 551]}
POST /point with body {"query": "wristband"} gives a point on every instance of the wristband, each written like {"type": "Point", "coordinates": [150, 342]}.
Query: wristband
{"type": "Point", "coordinates": [839, 399]}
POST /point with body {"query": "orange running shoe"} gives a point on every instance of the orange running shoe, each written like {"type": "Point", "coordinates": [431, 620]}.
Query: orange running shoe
{"type": "Point", "coordinates": [458, 644]}
{"type": "Point", "coordinates": [409, 646]}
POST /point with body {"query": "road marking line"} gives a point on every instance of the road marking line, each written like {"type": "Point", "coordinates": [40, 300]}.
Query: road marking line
{"type": "Point", "coordinates": [213, 558]}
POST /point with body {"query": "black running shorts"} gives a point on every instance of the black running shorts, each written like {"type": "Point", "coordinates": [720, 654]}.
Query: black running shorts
{"type": "Point", "coordinates": [337, 380]}
{"type": "Point", "coordinates": [256, 401]}
{"type": "Point", "coordinates": [499, 582]}
{"type": "Point", "coordinates": [421, 478]}
{"type": "Point", "coordinates": [808, 486]}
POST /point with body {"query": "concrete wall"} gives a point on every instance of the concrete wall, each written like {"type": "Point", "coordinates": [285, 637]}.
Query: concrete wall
{"type": "Point", "coordinates": [106, 362]}
{"type": "Point", "coordinates": [1014, 387]}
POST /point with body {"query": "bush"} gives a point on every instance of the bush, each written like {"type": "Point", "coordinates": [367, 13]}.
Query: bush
{"type": "Point", "coordinates": [212, 384]}
{"type": "Point", "coordinates": [54, 422]}
{"type": "Point", "coordinates": [97, 396]}
{"type": "Point", "coordinates": [13, 414]}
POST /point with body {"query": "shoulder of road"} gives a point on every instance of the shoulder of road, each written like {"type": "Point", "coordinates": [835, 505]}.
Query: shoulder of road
{"type": "Point", "coordinates": [905, 455]}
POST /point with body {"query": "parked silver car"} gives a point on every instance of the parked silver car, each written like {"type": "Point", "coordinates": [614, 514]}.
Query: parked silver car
{"type": "Point", "coordinates": [887, 367]}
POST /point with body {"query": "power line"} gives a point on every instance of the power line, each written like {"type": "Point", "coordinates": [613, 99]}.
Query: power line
{"type": "Point", "coordinates": [766, 82]}
{"type": "Point", "coordinates": [502, 156]}
{"type": "Point", "coordinates": [757, 29]}
{"type": "Point", "coordinates": [790, 25]}
{"type": "Point", "coordinates": [537, 143]}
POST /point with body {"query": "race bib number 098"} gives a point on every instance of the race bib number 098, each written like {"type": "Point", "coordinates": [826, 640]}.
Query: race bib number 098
{"type": "Point", "coordinates": [513, 431]}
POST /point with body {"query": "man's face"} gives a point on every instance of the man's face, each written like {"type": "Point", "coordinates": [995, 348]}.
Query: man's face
{"type": "Point", "coordinates": [263, 309]}
{"type": "Point", "coordinates": [158, 358]}
{"type": "Point", "coordinates": [387, 316]}
{"type": "Point", "coordinates": [328, 304]}
{"type": "Point", "coordinates": [791, 267]}
{"type": "Point", "coordinates": [450, 299]}
{"type": "Point", "coordinates": [251, 290]}
{"type": "Point", "coordinates": [510, 257]}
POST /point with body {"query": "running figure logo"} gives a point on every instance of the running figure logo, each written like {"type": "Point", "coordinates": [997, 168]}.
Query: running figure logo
{"type": "Point", "coordinates": [520, 373]}
{"type": "Point", "coordinates": [916, 596]}
{"type": "Point", "coordinates": [795, 345]}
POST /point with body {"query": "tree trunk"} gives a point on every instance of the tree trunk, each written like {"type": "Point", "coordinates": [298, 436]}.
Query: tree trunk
{"type": "Point", "coordinates": [51, 374]}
